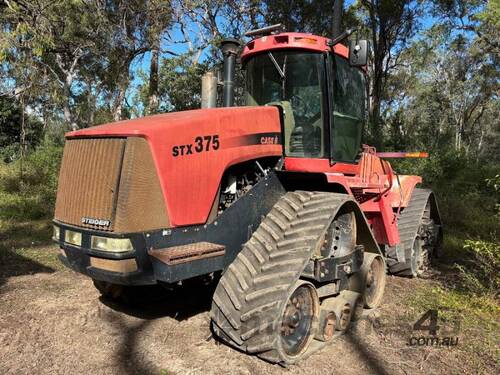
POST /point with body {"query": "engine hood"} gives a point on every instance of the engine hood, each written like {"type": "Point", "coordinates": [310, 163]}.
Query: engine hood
{"type": "Point", "coordinates": [165, 123]}
{"type": "Point", "coordinates": [192, 149]}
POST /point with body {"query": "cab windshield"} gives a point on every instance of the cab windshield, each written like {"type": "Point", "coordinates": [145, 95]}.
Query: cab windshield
{"type": "Point", "coordinates": [293, 80]}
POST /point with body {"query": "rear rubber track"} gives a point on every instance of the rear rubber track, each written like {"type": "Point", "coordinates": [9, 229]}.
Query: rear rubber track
{"type": "Point", "coordinates": [409, 223]}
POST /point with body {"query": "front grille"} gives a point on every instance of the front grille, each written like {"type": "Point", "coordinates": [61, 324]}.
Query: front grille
{"type": "Point", "coordinates": [110, 179]}
{"type": "Point", "coordinates": [89, 181]}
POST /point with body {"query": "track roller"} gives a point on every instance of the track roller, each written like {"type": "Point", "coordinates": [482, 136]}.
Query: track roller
{"type": "Point", "coordinates": [370, 281]}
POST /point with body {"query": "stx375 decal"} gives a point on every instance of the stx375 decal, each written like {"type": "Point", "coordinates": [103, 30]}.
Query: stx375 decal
{"type": "Point", "coordinates": [201, 144]}
{"type": "Point", "coordinates": [212, 143]}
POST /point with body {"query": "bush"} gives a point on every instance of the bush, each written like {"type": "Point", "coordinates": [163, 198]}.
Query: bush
{"type": "Point", "coordinates": [28, 187]}
{"type": "Point", "coordinates": [481, 274]}
{"type": "Point", "coordinates": [466, 199]}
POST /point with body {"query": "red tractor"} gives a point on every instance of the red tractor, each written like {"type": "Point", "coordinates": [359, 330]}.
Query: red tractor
{"type": "Point", "coordinates": [274, 199]}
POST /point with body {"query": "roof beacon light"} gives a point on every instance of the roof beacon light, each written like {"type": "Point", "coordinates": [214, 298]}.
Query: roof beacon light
{"type": "Point", "coordinates": [402, 154]}
{"type": "Point", "coordinates": [265, 30]}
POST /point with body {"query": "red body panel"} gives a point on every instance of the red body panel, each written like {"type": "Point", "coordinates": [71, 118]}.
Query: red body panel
{"type": "Point", "coordinates": [302, 41]}
{"type": "Point", "coordinates": [190, 181]}
{"type": "Point", "coordinates": [373, 183]}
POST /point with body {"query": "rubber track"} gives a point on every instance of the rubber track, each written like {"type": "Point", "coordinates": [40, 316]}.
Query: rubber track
{"type": "Point", "coordinates": [251, 294]}
{"type": "Point", "coordinates": [408, 224]}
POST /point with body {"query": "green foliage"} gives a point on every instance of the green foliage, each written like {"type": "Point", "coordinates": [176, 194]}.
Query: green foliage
{"type": "Point", "coordinates": [468, 195]}
{"type": "Point", "coordinates": [179, 84]}
{"type": "Point", "coordinates": [481, 275]}
{"type": "Point", "coordinates": [490, 16]}
{"type": "Point", "coordinates": [73, 58]}
{"type": "Point", "coordinates": [28, 186]}
{"type": "Point", "coordinates": [466, 200]}
{"type": "Point", "coordinates": [10, 129]}
{"type": "Point", "coordinates": [479, 272]}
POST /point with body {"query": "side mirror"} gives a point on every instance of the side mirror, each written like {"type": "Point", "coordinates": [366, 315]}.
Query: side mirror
{"type": "Point", "coordinates": [358, 52]}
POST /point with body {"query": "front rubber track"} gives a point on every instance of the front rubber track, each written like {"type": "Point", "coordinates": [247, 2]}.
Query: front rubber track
{"type": "Point", "coordinates": [249, 300]}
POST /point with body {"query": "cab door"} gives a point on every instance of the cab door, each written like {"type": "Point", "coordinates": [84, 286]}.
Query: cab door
{"type": "Point", "coordinates": [347, 99]}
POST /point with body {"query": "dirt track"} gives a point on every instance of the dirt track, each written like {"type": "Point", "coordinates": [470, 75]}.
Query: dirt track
{"type": "Point", "coordinates": [55, 322]}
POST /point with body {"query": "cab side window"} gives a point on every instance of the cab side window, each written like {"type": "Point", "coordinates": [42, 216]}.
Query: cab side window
{"type": "Point", "coordinates": [349, 110]}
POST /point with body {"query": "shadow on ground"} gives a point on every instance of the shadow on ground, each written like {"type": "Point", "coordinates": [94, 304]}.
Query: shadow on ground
{"type": "Point", "coordinates": [181, 304]}
{"type": "Point", "coordinates": [12, 264]}
{"type": "Point", "coordinates": [19, 238]}
{"type": "Point", "coordinates": [370, 358]}
{"type": "Point", "coordinates": [157, 302]}
{"type": "Point", "coordinates": [128, 357]}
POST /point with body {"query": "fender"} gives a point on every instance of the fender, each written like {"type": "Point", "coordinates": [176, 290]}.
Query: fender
{"type": "Point", "coordinates": [402, 190]}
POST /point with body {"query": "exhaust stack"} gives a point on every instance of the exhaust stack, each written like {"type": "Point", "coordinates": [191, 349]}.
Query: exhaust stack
{"type": "Point", "coordinates": [229, 48]}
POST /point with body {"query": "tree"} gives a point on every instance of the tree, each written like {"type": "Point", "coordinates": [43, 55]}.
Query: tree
{"type": "Point", "coordinates": [179, 84]}
{"type": "Point", "coordinates": [390, 25]}
{"type": "Point", "coordinates": [77, 55]}
{"type": "Point", "coordinates": [45, 45]}
{"type": "Point", "coordinates": [133, 28]}
{"type": "Point", "coordinates": [14, 136]}
{"type": "Point", "coordinates": [445, 95]}
{"type": "Point", "coordinates": [301, 16]}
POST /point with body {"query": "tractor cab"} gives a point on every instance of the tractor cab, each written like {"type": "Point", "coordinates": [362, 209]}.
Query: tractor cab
{"type": "Point", "coordinates": [322, 96]}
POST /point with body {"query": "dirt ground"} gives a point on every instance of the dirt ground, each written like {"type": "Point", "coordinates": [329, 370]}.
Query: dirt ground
{"type": "Point", "coordinates": [53, 321]}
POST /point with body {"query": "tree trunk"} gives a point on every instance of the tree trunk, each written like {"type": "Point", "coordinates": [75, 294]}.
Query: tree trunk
{"type": "Point", "coordinates": [91, 109]}
{"type": "Point", "coordinates": [458, 136]}
{"type": "Point", "coordinates": [118, 105]}
{"type": "Point", "coordinates": [376, 93]}
{"type": "Point", "coordinates": [153, 101]}
{"type": "Point", "coordinates": [22, 139]}
{"type": "Point", "coordinates": [68, 116]}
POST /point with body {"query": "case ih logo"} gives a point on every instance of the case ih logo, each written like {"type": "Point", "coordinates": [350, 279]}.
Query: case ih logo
{"type": "Point", "coordinates": [99, 222]}
{"type": "Point", "coordinates": [269, 140]}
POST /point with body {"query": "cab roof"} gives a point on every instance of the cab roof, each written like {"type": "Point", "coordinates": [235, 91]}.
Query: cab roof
{"type": "Point", "coordinates": [302, 41]}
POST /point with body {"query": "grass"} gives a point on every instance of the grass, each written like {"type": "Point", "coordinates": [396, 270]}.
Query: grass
{"type": "Point", "coordinates": [457, 302]}
{"type": "Point", "coordinates": [476, 318]}
{"type": "Point", "coordinates": [28, 186]}
{"type": "Point", "coordinates": [26, 248]}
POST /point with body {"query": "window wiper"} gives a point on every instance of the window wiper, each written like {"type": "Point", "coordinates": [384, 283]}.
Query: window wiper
{"type": "Point", "coordinates": [278, 68]}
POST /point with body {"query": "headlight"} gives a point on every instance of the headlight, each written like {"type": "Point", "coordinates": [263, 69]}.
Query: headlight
{"type": "Point", "coordinates": [56, 233]}
{"type": "Point", "coordinates": [117, 245]}
{"type": "Point", "coordinates": [74, 238]}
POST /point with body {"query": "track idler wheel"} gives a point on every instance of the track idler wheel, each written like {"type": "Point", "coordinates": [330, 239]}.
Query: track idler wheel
{"type": "Point", "coordinates": [370, 280]}
{"type": "Point", "coordinates": [298, 321]}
